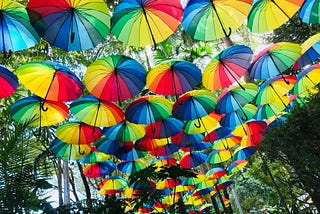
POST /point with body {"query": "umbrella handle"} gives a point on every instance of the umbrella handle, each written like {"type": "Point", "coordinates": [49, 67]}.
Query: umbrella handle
{"type": "Point", "coordinates": [229, 32]}
{"type": "Point", "coordinates": [198, 125]}
{"type": "Point", "coordinates": [81, 152]}
{"type": "Point", "coordinates": [42, 107]}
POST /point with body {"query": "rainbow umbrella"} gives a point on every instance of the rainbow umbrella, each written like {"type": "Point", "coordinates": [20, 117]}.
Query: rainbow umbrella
{"type": "Point", "coordinates": [124, 131]}
{"type": "Point", "coordinates": [250, 128]}
{"type": "Point", "coordinates": [164, 128]}
{"type": "Point", "coordinates": [168, 183]}
{"type": "Point", "coordinates": [16, 31]}
{"type": "Point", "coordinates": [148, 144]}
{"type": "Point", "coordinates": [142, 23]}
{"type": "Point", "coordinates": [218, 156]}
{"type": "Point", "coordinates": [208, 20]}
{"type": "Point", "coordinates": [131, 167]}
{"type": "Point", "coordinates": [199, 146]}
{"type": "Point", "coordinates": [131, 154]}
{"type": "Point", "coordinates": [115, 78]}
{"type": "Point", "coordinates": [274, 59]}
{"type": "Point", "coordinates": [94, 156]}
{"type": "Point", "coordinates": [227, 142]}
{"type": "Point", "coordinates": [191, 181]}
{"type": "Point", "coordinates": [67, 151]}
{"type": "Point", "coordinates": [50, 80]}
{"type": "Point", "coordinates": [166, 150]}
{"type": "Point", "coordinates": [208, 123]}
{"type": "Point", "coordinates": [227, 67]}
{"type": "Point", "coordinates": [266, 15]}
{"type": "Point", "coordinates": [215, 173]}
{"type": "Point", "coordinates": [274, 88]}
{"type": "Point", "coordinates": [307, 79]}
{"type": "Point", "coordinates": [251, 140]}
{"type": "Point", "coordinates": [242, 153]}
{"type": "Point", "coordinates": [34, 111]}
{"type": "Point", "coordinates": [192, 159]}
{"type": "Point", "coordinates": [273, 109]}
{"type": "Point", "coordinates": [235, 166]}
{"type": "Point", "coordinates": [309, 12]}
{"type": "Point", "coordinates": [112, 184]}
{"type": "Point", "coordinates": [8, 82]}
{"type": "Point", "coordinates": [310, 52]}
{"type": "Point", "coordinates": [70, 25]}
{"type": "Point", "coordinates": [173, 77]}
{"type": "Point", "coordinates": [95, 112]}
{"type": "Point", "coordinates": [100, 169]}
{"type": "Point", "coordinates": [217, 134]}
{"type": "Point", "coordinates": [206, 208]}
{"type": "Point", "coordinates": [184, 139]}
{"type": "Point", "coordinates": [112, 147]}
{"type": "Point", "coordinates": [148, 109]}
{"type": "Point", "coordinates": [194, 104]}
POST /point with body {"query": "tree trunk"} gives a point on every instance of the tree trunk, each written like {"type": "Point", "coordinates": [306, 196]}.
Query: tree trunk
{"type": "Point", "coordinates": [85, 182]}
{"type": "Point", "coordinates": [59, 179]}
{"type": "Point", "coordinates": [66, 186]}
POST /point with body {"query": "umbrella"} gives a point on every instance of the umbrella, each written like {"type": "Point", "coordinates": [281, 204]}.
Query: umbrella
{"type": "Point", "coordinates": [235, 166]}
{"type": "Point", "coordinates": [94, 156]}
{"type": "Point", "coordinates": [250, 128]}
{"type": "Point", "coordinates": [67, 151]}
{"type": "Point", "coordinates": [124, 131]}
{"type": "Point", "coordinates": [194, 105]}
{"type": "Point", "coordinates": [251, 140]}
{"type": "Point", "coordinates": [100, 169]}
{"type": "Point", "coordinates": [274, 88]}
{"type": "Point", "coordinates": [112, 184]}
{"type": "Point", "coordinates": [30, 111]}
{"type": "Point", "coordinates": [70, 25]}
{"type": "Point", "coordinates": [272, 109]}
{"type": "Point", "coordinates": [148, 22]}
{"type": "Point", "coordinates": [112, 147]}
{"type": "Point", "coordinates": [227, 67]}
{"type": "Point", "coordinates": [173, 77]}
{"type": "Point", "coordinates": [50, 80]}
{"type": "Point", "coordinates": [191, 181]}
{"type": "Point", "coordinates": [227, 142]}
{"type": "Point", "coordinates": [131, 167]}
{"type": "Point", "coordinates": [16, 31]}
{"type": "Point", "coordinates": [310, 52]}
{"type": "Point", "coordinates": [236, 98]}
{"type": "Point", "coordinates": [164, 128]}
{"type": "Point", "coordinates": [115, 78]}
{"type": "Point", "coordinates": [307, 79]}
{"type": "Point", "coordinates": [274, 59]}
{"type": "Point", "coordinates": [184, 139]}
{"type": "Point", "coordinates": [215, 173]}
{"type": "Point", "coordinates": [131, 155]}
{"type": "Point", "coordinates": [208, 123]}
{"type": "Point", "coordinates": [218, 156]}
{"type": "Point", "coordinates": [192, 159]}
{"type": "Point", "coordinates": [8, 82]}
{"type": "Point", "coordinates": [95, 112]}
{"type": "Point", "coordinates": [309, 12]}
{"type": "Point", "coordinates": [148, 144]}
{"type": "Point", "coordinates": [242, 153]}
{"type": "Point", "coordinates": [266, 15]}
{"type": "Point", "coordinates": [166, 150]}
{"type": "Point", "coordinates": [206, 208]}
{"type": "Point", "coordinates": [148, 109]}
{"type": "Point", "coordinates": [199, 146]}
{"type": "Point", "coordinates": [208, 20]}
{"type": "Point", "coordinates": [219, 133]}
{"type": "Point", "coordinates": [168, 183]}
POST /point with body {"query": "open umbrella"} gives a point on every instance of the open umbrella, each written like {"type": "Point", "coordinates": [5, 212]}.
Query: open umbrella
{"type": "Point", "coordinates": [307, 79]}
{"type": "Point", "coordinates": [113, 184]}
{"type": "Point", "coordinates": [208, 123]}
{"type": "Point", "coordinates": [149, 144]}
{"type": "Point", "coordinates": [148, 109]}
{"type": "Point", "coordinates": [310, 52]}
{"type": "Point", "coordinates": [173, 77]}
{"type": "Point", "coordinates": [50, 80]}
{"type": "Point", "coordinates": [219, 133]}
{"type": "Point", "coordinates": [94, 156]}
{"type": "Point", "coordinates": [235, 166]}
{"type": "Point", "coordinates": [8, 82]}
{"type": "Point", "coordinates": [227, 67]}
{"type": "Point", "coordinates": [99, 169]}
{"type": "Point", "coordinates": [227, 142]}
{"type": "Point", "coordinates": [164, 128]}
{"type": "Point", "coordinates": [215, 173]}
{"type": "Point", "coordinates": [250, 128]}
{"type": "Point", "coordinates": [192, 159]}
{"type": "Point", "coordinates": [115, 78]}
{"type": "Point", "coordinates": [242, 153]}
{"type": "Point", "coordinates": [124, 131]}
{"type": "Point", "coordinates": [218, 156]}
{"type": "Point", "coordinates": [310, 12]}
{"type": "Point", "coordinates": [16, 31]}
{"type": "Point", "coordinates": [71, 25]}
{"type": "Point", "coordinates": [30, 111]}
{"type": "Point", "coordinates": [141, 23]}
{"type": "Point", "coordinates": [274, 59]}
{"type": "Point", "coordinates": [131, 166]}
{"type": "Point", "coordinates": [266, 15]}
{"type": "Point", "coordinates": [272, 109]}
{"type": "Point", "coordinates": [112, 147]}
{"type": "Point", "coordinates": [166, 150]}
{"type": "Point", "coordinates": [208, 20]}
{"type": "Point", "coordinates": [67, 151]}
{"type": "Point", "coordinates": [184, 139]}
{"type": "Point", "coordinates": [95, 112]}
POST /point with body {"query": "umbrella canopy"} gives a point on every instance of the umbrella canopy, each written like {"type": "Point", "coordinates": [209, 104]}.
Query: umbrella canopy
{"type": "Point", "coordinates": [94, 156]}
{"type": "Point", "coordinates": [218, 156]}
{"type": "Point", "coordinates": [307, 79]}
{"type": "Point", "coordinates": [251, 140]}
{"type": "Point", "coordinates": [100, 169]}
{"type": "Point", "coordinates": [131, 154]}
{"type": "Point", "coordinates": [141, 23]}
{"type": "Point", "coordinates": [184, 139]}
{"type": "Point", "coordinates": [50, 80]}
{"type": "Point", "coordinates": [149, 144]}
{"type": "Point", "coordinates": [34, 111]}
{"type": "Point", "coordinates": [208, 20]}
{"type": "Point", "coordinates": [208, 123]}
{"type": "Point", "coordinates": [310, 12]}
{"type": "Point", "coordinates": [250, 128]}
{"type": "Point", "coordinates": [113, 183]}
{"type": "Point", "coordinates": [310, 52]}
{"type": "Point", "coordinates": [16, 31]}
{"type": "Point", "coordinates": [67, 151]}
{"type": "Point", "coordinates": [242, 153]}
{"type": "Point", "coordinates": [266, 15]}
{"type": "Point", "coordinates": [227, 67]}
{"type": "Point", "coordinates": [168, 183]}
{"type": "Point", "coordinates": [273, 109]}
{"type": "Point", "coordinates": [8, 82]}
{"type": "Point", "coordinates": [70, 25]}
{"type": "Point", "coordinates": [235, 166]}
{"type": "Point", "coordinates": [112, 147]}
{"type": "Point", "coordinates": [215, 173]}
{"type": "Point", "coordinates": [274, 59]}
{"type": "Point", "coordinates": [192, 159]}
{"type": "Point", "coordinates": [173, 77]}
{"type": "Point", "coordinates": [235, 98]}
{"type": "Point", "coordinates": [124, 131]}
{"type": "Point", "coordinates": [219, 133]}
{"type": "Point", "coordinates": [164, 128]}
{"type": "Point", "coordinates": [148, 109]}
{"type": "Point", "coordinates": [95, 112]}
{"type": "Point", "coordinates": [115, 78]}
{"type": "Point", "coordinates": [166, 150]}
{"type": "Point", "coordinates": [131, 167]}
{"type": "Point", "coordinates": [227, 142]}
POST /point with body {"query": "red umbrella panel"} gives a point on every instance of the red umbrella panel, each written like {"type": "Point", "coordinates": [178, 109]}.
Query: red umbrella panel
{"type": "Point", "coordinates": [8, 82]}
{"type": "Point", "coordinates": [164, 128]}
{"type": "Point", "coordinates": [192, 159]}
{"type": "Point", "coordinates": [100, 169]}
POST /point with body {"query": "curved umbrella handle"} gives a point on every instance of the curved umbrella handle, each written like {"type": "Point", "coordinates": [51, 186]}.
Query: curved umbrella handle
{"type": "Point", "coordinates": [42, 106]}
{"type": "Point", "coordinates": [81, 152]}
{"type": "Point", "coordinates": [229, 32]}
{"type": "Point", "coordinates": [198, 125]}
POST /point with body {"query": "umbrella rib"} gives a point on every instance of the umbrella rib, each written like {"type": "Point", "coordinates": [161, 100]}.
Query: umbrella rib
{"type": "Point", "coordinates": [278, 95]}
{"type": "Point", "coordinates": [296, 24]}
{"type": "Point", "coordinates": [220, 22]}
{"type": "Point", "coordinates": [149, 27]}
{"type": "Point", "coordinates": [79, 150]}
{"type": "Point", "coordinates": [230, 72]}
{"type": "Point", "coordinates": [118, 89]}
{"type": "Point", "coordinates": [95, 120]}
